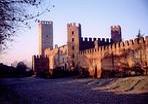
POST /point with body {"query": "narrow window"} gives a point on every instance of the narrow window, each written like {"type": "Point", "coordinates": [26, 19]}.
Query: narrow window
{"type": "Point", "coordinates": [72, 32]}
{"type": "Point", "coordinates": [73, 56]}
{"type": "Point", "coordinates": [73, 64]}
{"type": "Point", "coordinates": [72, 39]}
{"type": "Point", "coordinates": [73, 47]}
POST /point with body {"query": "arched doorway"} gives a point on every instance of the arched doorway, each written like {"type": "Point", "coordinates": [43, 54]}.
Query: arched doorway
{"type": "Point", "coordinates": [96, 73]}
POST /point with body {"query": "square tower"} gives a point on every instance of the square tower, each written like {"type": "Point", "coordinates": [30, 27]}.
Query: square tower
{"type": "Point", "coordinates": [116, 35]}
{"type": "Point", "coordinates": [45, 35]}
{"type": "Point", "coordinates": [73, 39]}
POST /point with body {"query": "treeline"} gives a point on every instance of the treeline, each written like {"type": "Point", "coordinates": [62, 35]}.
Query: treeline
{"type": "Point", "coordinates": [21, 70]}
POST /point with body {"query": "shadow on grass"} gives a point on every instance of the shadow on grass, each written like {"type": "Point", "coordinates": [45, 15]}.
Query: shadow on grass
{"type": "Point", "coordinates": [8, 96]}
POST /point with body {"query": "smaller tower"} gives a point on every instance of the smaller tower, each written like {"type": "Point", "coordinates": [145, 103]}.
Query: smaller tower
{"type": "Point", "coordinates": [40, 65]}
{"type": "Point", "coordinates": [116, 33]}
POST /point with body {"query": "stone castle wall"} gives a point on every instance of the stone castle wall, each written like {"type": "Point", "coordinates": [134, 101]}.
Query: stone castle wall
{"type": "Point", "coordinates": [114, 56]}
{"type": "Point", "coordinates": [58, 57]}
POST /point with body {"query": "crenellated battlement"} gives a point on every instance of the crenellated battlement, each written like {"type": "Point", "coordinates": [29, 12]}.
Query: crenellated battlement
{"type": "Point", "coordinates": [45, 22]}
{"type": "Point", "coordinates": [100, 40]}
{"type": "Point", "coordinates": [86, 43]}
{"type": "Point", "coordinates": [39, 60]}
{"type": "Point", "coordinates": [128, 44]}
{"type": "Point", "coordinates": [73, 25]}
{"type": "Point", "coordinates": [40, 57]}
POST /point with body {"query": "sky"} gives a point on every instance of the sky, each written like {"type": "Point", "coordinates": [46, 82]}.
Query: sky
{"type": "Point", "coordinates": [95, 17]}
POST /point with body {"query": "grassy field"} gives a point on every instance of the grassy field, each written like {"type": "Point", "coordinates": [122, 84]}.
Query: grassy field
{"type": "Point", "coordinates": [31, 90]}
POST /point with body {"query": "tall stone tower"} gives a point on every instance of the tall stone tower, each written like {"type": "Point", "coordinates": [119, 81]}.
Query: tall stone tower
{"type": "Point", "coordinates": [73, 39]}
{"type": "Point", "coordinates": [45, 35]}
{"type": "Point", "coordinates": [116, 33]}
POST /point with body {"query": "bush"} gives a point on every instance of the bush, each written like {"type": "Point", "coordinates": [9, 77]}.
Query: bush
{"type": "Point", "coordinates": [138, 69]}
{"type": "Point", "coordinates": [60, 72]}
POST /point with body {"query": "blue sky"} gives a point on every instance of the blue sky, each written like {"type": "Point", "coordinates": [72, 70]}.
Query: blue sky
{"type": "Point", "coordinates": [95, 16]}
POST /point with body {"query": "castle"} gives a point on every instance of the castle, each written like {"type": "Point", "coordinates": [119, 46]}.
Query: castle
{"type": "Point", "coordinates": [94, 55]}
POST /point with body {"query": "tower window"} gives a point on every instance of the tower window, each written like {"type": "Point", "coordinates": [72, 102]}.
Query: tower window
{"type": "Point", "coordinates": [63, 60]}
{"type": "Point", "coordinates": [73, 47]}
{"type": "Point", "coordinates": [72, 32]}
{"type": "Point", "coordinates": [72, 39]}
{"type": "Point", "coordinates": [73, 56]}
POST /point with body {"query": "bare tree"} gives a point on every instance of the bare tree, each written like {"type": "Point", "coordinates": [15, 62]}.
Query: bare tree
{"type": "Point", "coordinates": [16, 13]}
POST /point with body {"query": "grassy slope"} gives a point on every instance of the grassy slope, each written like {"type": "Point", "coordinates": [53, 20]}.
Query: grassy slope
{"type": "Point", "coordinates": [138, 84]}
